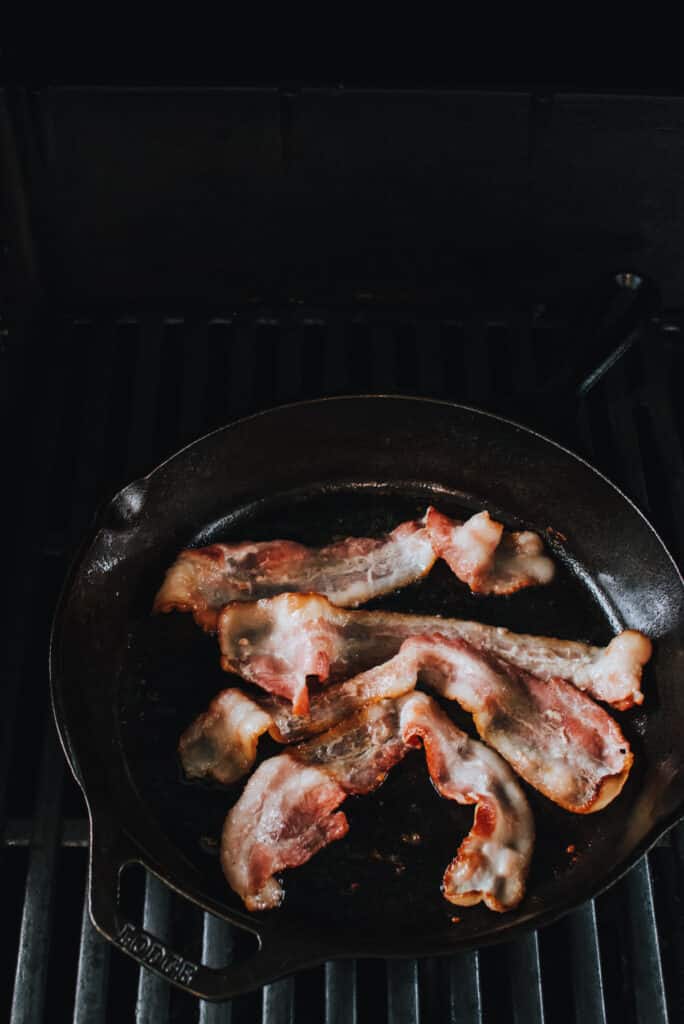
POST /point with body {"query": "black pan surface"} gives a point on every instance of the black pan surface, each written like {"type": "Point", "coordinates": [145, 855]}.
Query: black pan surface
{"type": "Point", "coordinates": [126, 684]}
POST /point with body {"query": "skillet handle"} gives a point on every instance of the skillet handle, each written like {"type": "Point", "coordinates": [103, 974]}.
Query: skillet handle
{"type": "Point", "coordinates": [108, 856]}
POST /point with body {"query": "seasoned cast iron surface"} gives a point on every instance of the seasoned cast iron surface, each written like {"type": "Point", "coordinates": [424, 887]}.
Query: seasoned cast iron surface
{"type": "Point", "coordinates": [378, 877]}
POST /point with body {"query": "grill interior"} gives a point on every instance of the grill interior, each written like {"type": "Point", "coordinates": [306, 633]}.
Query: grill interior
{"type": "Point", "coordinates": [91, 401]}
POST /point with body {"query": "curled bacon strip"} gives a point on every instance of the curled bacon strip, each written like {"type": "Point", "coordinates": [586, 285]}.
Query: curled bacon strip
{"type": "Point", "coordinates": [288, 810]}
{"type": "Point", "coordinates": [492, 862]}
{"type": "Point", "coordinates": [286, 814]}
{"type": "Point", "coordinates": [221, 743]}
{"type": "Point", "coordinates": [487, 559]}
{"type": "Point", "coordinates": [554, 736]}
{"type": "Point", "coordinates": [277, 643]}
{"type": "Point", "coordinates": [352, 571]}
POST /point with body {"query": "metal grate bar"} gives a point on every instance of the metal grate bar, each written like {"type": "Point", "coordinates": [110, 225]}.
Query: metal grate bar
{"type": "Point", "coordinates": [289, 367]}
{"type": "Point", "coordinates": [217, 945]}
{"type": "Point", "coordinates": [430, 363]}
{"type": "Point", "coordinates": [194, 380]}
{"type": "Point", "coordinates": [90, 1004]}
{"type": "Point", "coordinates": [34, 937]}
{"type": "Point", "coordinates": [477, 368]}
{"type": "Point", "coordinates": [44, 431]}
{"type": "Point", "coordinates": [241, 374]}
{"type": "Point", "coordinates": [383, 360]}
{"type": "Point", "coordinates": [31, 973]}
{"type": "Point", "coordinates": [403, 1005]}
{"type": "Point", "coordinates": [526, 982]}
{"type": "Point", "coordinates": [141, 447]}
{"type": "Point", "coordinates": [152, 1006]}
{"type": "Point", "coordinates": [340, 992]}
{"type": "Point", "coordinates": [74, 832]}
{"type": "Point", "coordinates": [648, 981]}
{"type": "Point", "coordinates": [335, 368]}
{"type": "Point", "coordinates": [278, 1002]}
{"type": "Point", "coordinates": [465, 995]}
{"type": "Point", "coordinates": [587, 977]}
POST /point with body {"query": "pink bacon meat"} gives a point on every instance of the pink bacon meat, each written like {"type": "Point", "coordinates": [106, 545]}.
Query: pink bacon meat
{"type": "Point", "coordinates": [492, 862]}
{"type": "Point", "coordinates": [288, 810]}
{"type": "Point", "coordinates": [286, 814]}
{"type": "Point", "coordinates": [352, 571]}
{"type": "Point", "coordinates": [555, 737]}
{"type": "Point", "coordinates": [349, 572]}
{"type": "Point", "coordinates": [278, 643]}
{"type": "Point", "coordinates": [487, 559]}
{"type": "Point", "coordinates": [221, 744]}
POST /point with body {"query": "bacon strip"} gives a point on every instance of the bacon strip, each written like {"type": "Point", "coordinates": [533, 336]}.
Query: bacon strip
{"type": "Point", "coordinates": [285, 815]}
{"type": "Point", "coordinates": [554, 736]}
{"type": "Point", "coordinates": [335, 703]}
{"type": "Point", "coordinates": [352, 571]}
{"type": "Point", "coordinates": [492, 862]}
{"type": "Point", "coordinates": [288, 810]}
{"type": "Point", "coordinates": [485, 558]}
{"type": "Point", "coordinates": [203, 580]}
{"type": "Point", "coordinates": [557, 738]}
{"type": "Point", "coordinates": [360, 751]}
{"type": "Point", "coordinates": [278, 642]}
{"type": "Point", "coordinates": [221, 744]}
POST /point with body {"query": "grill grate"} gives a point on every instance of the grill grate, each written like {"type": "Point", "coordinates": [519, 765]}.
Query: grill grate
{"type": "Point", "coordinates": [113, 396]}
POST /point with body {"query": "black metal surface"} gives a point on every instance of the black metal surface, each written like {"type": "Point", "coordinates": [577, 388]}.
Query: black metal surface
{"type": "Point", "coordinates": [353, 189]}
{"type": "Point", "coordinates": [434, 354]}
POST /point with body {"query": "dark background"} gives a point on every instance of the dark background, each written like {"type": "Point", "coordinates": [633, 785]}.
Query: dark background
{"type": "Point", "coordinates": [415, 163]}
{"type": "Point", "coordinates": [197, 222]}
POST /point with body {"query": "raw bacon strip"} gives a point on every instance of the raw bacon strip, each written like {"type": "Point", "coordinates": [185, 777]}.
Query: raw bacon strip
{"type": "Point", "coordinates": [352, 571]}
{"type": "Point", "coordinates": [276, 643]}
{"type": "Point", "coordinates": [485, 558]}
{"type": "Point", "coordinates": [360, 751]}
{"type": "Point", "coordinates": [285, 815]}
{"type": "Point", "coordinates": [286, 812]}
{"type": "Point", "coordinates": [556, 738]}
{"type": "Point", "coordinates": [203, 580]}
{"type": "Point", "coordinates": [221, 743]}
{"type": "Point", "coordinates": [336, 703]}
{"type": "Point", "coordinates": [492, 862]}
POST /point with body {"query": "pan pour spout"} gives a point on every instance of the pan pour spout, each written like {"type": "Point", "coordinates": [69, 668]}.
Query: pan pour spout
{"type": "Point", "coordinates": [288, 810]}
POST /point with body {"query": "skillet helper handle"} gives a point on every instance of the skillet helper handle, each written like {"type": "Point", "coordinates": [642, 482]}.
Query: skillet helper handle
{"type": "Point", "coordinates": [108, 856]}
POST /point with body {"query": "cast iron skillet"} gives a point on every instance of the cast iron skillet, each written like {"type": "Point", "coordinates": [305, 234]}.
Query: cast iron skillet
{"type": "Point", "coordinates": [125, 684]}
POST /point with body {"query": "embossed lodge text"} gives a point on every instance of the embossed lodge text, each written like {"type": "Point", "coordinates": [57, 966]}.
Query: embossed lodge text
{"type": "Point", "coordinates": [154, 954]}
